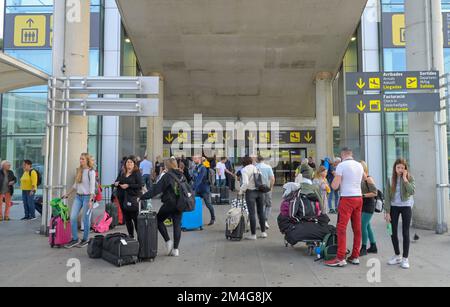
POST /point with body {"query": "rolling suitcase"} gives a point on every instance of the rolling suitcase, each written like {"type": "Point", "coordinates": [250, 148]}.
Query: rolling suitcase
{"type": "Point", "coordinates": [215, 195]}
{"type": "Point", "coordinates": [236, 234]}
{"type": "Point", "coordinates": [119, 249]}
{"type": "Point", "coordinates": [147, 235]}
{"type": "Point", "coordinates": [225, 195]}
{"type": "Point", "coordinates": [193, 220]}
{"type": "Point", "coordinates": [60, 233]}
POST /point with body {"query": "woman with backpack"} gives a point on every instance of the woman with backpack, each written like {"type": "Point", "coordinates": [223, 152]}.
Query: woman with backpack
{"type": "Point", "coordinates": [129, 188]}
{"type": "Point", "coordinates": [170, 191]}
{"type": "Point", "coordinates": [400, 202]}
{"type": "Point", "coordinates": [7, 182]}
{"type": "Point", "coordinates": [85, 189]}
{"type": "Point", "coordinates": [253, 197]}
{"type": "Point", "coordinates": [370, 192]}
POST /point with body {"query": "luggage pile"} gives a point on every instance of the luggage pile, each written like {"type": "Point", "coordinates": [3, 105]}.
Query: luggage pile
{"type": "Point", "coordinates": [237, 221]}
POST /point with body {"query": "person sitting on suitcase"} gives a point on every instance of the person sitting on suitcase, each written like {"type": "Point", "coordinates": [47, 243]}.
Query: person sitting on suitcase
{"type": "Point", "coordinates": [129, 188]}
{"type": "Point", "coordinates": [168, 187]}
{"type": "Point", "coordinates": [202, 186]}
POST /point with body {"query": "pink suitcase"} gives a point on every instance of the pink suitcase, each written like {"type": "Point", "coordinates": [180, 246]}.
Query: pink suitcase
{"type": "Point", "coordinates": [60, 233]}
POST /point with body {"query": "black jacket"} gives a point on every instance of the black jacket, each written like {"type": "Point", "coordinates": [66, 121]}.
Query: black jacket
{"type": "Point", "coordinates": [135, 185]}
{"type": "Point", "coordinates": [11, 177]}
{"type": "Point", "coordinates": [166, 186]}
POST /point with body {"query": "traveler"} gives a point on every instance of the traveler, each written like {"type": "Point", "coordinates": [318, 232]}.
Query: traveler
{"type": "Point", "coordinates": [349, 175]}
{"type": "Point", "coordinates": [202, 186]}
{"type": "Point", "coordinates": [269, 180]}
{"type": "Point", "coordinates": [312, 163]}
{"type": "Point", "coordinates": [7, 182]}
{"type": "Point", "coordinates": [370, 192]}
{"type": "Point", "coordinates": [29, 185]}
{"type": "Point", "coordinates": [231, 177]}
{"type": "Point", "coordinates": [253, 197]}
{"type": "Point", "coordinates": [221, 172]}
{"type": "Point", "coordinates": [334, 193]}
{"type": "Point", "coordinates": [400, 202]}
{"type": "Point", "coordinates": [84, 187]}
{"type": "Point", "coordinates": [320, 180]}
{"type": "Point", "coordinates": [146, 168]}
{"type": "Point", "coordinates": [158, 168]}
{"type": "Point", "coordinates": [169, 189]}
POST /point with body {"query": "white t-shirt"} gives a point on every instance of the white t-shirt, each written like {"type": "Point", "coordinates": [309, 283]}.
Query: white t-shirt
{"type": "Point", "coordinates": [220, 171]}
{"type": "Point", "coordinates": [352, 174]}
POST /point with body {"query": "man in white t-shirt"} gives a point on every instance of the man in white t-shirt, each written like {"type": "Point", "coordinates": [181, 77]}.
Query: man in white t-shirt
{"type": "Point", "coordinates": [221, 170]}
{"type": "Point", "coordinates": [348, 178]}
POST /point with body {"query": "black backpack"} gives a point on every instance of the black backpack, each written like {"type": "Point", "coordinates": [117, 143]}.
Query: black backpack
{"type": "Point", "coordinates": [259, 184]}
{"type": "Point", "coordinates": [307, 206]}
{"type": "Point", "coordinates": [186, 199]}
{"type": "Point", "coordinates": [39, 176]}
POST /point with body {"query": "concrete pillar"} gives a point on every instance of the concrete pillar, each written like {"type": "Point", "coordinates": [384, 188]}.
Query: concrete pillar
{"type": "Point", "coordinates": [155, 129]}
{"type": "Point", "coordinates": [324, 115]}
{"type": "Point", "coordinates": [424, 41]}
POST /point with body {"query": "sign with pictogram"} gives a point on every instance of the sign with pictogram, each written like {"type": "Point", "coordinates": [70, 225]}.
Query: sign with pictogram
{"type": "Point", "coordinates": [393, 103]}
{"type": "Point", "coordinates": [30, 30]}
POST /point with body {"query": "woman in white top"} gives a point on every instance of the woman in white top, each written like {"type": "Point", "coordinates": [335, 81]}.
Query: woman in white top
{"type": "Point", "coordinates": [253, 197]}
{"type": "Point", "coordinates": [84, 200]}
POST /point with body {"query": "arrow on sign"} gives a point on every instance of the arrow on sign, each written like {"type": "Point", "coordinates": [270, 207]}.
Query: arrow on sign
{"type": "Point", "coordinates": [308, 137]}
{"type": "Point", "coordinates": [251, 137]}
{"type": "Point", "coordinates": [361, 84]}
{"type": "Point", "coordinates": [170, 138]}
{"type": "Point", "coordinates": [361, 106]}
{"type": "Point", "coordinates": [30, 22]}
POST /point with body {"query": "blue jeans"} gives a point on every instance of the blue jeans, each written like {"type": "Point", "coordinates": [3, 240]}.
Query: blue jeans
{"type": "Point", "coordinates": [336, 200]}
{"type": "Point", "coordinates": [28, 205]}
{"type": "Point", "coordinates": [147, 179]}
{"type": "Point", "coordinates": [206, 196]}
{"type": "Point", "coordinates": [81, 203]}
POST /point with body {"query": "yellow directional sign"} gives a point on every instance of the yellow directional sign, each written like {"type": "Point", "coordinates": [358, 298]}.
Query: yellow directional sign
{"type": "Point", "coordinates": [296, 137]}
{"type": "Point", "coordinates": [375, 83]}
{"type": "Point", "coordinates": [361, 84]}
{"type": "Point", "coordinates": [212, 137]}
{"type": "Point", "coordinates": [308, 137]}
{"type": "Point", "coordinates": [182, 137]}
{"type": "Point", "coordinates": [251, 137]}
{"type": "Point", "coordinates": [30, 30]}
{"type": "Point", "coordinates": [361, 106]}
{"type": "Point", "coordinates": [264, 137]}
{"type": "Point", "coordinates": [412, 83]}
{"type": "Point", "coordinates": [375, 105]}
{"type": "Point", "coordinates": [169, 138]}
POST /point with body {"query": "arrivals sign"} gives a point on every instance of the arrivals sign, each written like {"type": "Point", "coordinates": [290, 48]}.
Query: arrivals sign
{"type": "Point", "coordinates": [393, 81]}
{"type": "Point", "coordinates": [301, 137]}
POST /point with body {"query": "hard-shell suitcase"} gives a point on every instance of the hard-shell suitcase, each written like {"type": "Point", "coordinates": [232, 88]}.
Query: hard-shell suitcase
{"type": "Point", "coordinates": [147, 235]}
{"type": "Point", "coordinates": [60, 233]}
{"type": "Point", "coordinates": [119, 249]}
{"type": "Point", "coordinates": [193, 220]}
{"type": "Point", "coordinates": [220, 195]}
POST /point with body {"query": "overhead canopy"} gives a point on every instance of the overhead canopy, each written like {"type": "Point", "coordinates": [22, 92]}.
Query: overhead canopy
{"type": "Point", "coordinates": [240, 57]}
{"type": "Point", "coordinates": [15, 74]}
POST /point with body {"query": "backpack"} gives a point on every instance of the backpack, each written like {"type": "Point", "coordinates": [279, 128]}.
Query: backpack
{"type": "Point", "coordinates": [103, 225]}
{"type": "Point", "coordinates": [186, 197]}
{"type": "Point", "coordinates": [379, 205]}
{"type": "Point", "coordinates": [329, 247]}
{"type": "Point", "coordinates": [98, 188]}
{"type": "Point", "coordinates": [259, 183]}
{"type": "Point", "coordinates": [39, 176]}
{"type": "Point", "coordinates": [306, 207]}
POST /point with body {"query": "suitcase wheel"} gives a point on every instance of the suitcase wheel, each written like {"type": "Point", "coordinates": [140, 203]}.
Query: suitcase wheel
{"type": "Point", "coordinates": [201, 228]}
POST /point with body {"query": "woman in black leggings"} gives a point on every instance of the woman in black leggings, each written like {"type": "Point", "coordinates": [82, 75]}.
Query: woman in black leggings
{"type": "Point", "coordinates": [399, 203]}
{"type": "Point", "coordinates": [169, 188]}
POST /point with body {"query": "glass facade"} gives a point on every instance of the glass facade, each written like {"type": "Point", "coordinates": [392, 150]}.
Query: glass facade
{"type": "Point", "coordinates": [23, 112]}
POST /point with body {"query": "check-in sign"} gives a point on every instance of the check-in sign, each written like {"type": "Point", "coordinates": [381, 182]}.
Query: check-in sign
{"type": "Point", "coordinates": [392, 81]}
{"type": "Point", "coordinates": [389, 103]}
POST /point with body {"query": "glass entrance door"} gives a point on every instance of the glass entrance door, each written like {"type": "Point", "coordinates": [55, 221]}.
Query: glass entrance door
{"type": "Point", "coordinates": [290, 160]}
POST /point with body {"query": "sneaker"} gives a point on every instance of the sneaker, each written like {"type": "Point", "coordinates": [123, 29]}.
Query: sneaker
{"type": "Point", "coordinates": [83, 244]}
{"type": "Point", "coordinates": [336, 263]}
{"type": "Point", "coordinates": [175, 253]}
{"type": "Point", "coordinates": [373, 249]}
{"type": "Point", "coordinates": [169, 245]}
{"type": "Point", "coordinates": [212, 223]}
{"type": "Point", "coordinates": [396, 260]}
{"type": "Point", "coordinates": [363, 251]}
{"type": "Point", "coordinates": [354, 261]}
{"type": "Point", "coordinates": [405, 264]}
{"type": "Point", "coordinates": [252, 238]}
{"type": "Point", "coordinates": [264, 235]}
{"type": "Point", "coordinates": [32, 219]}
{"type": "Point", "coordinates": [72, 244]}
{"type": "Point", "coordinates": [267, 226]}
{"type": "Point", "coordinates": [7, 219]}
{"type": "Point", "coordinates": [25, 219]}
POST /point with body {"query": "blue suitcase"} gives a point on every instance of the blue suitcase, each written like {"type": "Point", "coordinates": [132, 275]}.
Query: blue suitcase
{"type": "Point", "coordinates": [193, 220]}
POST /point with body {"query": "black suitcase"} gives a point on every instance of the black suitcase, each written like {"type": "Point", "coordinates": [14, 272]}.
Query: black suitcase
{"type": "Point", "coordinates": [225, 195]}
{"type": "Point", "coordinates": [238, 233]}
{"type": "Point", "coordinates": [119, 249]}
{"type": "Point", "coordinates": [148, 235]}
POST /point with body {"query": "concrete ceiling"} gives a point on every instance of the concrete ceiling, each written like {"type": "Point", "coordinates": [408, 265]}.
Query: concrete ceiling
{"type": "Point", "coordinates": [248, 58]}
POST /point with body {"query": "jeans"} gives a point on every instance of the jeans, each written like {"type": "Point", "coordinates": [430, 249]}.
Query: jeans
{"type": "Point", "coordinates": [28, 205]}
{"type": "Point", "coordinates": [147, 179]}
{"type": "Point", "coordinates": [80, 204]}
{"type": "Point", "coordinates": [255, 204]}
{"type": "Point", "coordinates": [7, 197]}
{"type": "Point", "coordinates": [406, 213]}
{"type": "Point", "coordinates": [206, 196]}
{"type": "Point", "coordinates": [267, 205]}
{"type": "Point", "coordinates": [336, 200]}
{"type": "Point", "coordinates": [367, 232]}
{"type": "Point", "coordinates": [165, 213]}
{"type": "Point", "coordinates": [221, 183]}
{"type": "Point", "coordinates": [350, 208]}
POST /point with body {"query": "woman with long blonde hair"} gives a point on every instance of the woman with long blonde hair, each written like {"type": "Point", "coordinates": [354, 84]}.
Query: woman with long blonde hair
{"type": "Point", "coordinates": [84, 187]}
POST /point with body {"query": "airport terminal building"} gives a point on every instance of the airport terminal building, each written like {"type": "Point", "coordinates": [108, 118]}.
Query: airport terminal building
{"type": "Point", "coordinates": [238, 61]}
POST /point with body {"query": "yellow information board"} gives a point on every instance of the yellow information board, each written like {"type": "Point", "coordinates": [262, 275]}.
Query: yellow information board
{"type": "Point", "coordinates": [30, 30]}
{"type": "Point", "coordinates": [398, 30]}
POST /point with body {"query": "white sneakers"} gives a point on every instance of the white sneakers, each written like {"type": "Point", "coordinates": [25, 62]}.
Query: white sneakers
{"type": "Point", "coordinates": [254, 237]}
{"type": "Point", "coordinates": [267, 225]}
{"type": "Point", "coordinates": [175, 253]}
{"type": "Point", "coordinates": [403, 262]}
{"type": "Point", "coordinates": [169, 245]}
{"type": "Point", "coordinates": [264, 235]}
{"type": "Point", "coordinates": [251, 237]}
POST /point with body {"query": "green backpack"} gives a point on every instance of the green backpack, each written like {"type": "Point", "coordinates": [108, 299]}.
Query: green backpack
{"type": "Point", "coordinates": [329, 247]}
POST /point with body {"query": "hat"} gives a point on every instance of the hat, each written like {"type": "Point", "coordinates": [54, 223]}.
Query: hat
{"type": "Point", "coordinates": [306, 171]}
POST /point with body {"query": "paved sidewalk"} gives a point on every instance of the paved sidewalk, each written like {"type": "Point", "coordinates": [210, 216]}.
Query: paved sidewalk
{"type": "Point", "coordinates": [207, 259]}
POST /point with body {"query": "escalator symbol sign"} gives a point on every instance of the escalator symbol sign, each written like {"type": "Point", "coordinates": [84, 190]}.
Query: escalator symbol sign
{"type": "Point", "coordinates": [30, 36]}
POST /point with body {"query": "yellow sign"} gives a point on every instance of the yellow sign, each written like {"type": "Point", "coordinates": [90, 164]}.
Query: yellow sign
{"type": "Point", "coordinates": [30, 31]}
{"type": "Point", "coordinates": [169, 138]}
{"type": "Point", "coordinates": [264, 137]}
{"type": "Point", "coordinates": [361, 106]}
{"type": "Point", "coordinates": [375, 106]}
{"type": "Point", "coordinates": [308, 137]}
{"type": "Point", "coordinates": [182, 137]}
{"type": "Point", "coordinates": [412, 83]}
{"type": "Point", "coordinates": [296, 137]}
{"type": "Point", "coordinates": [374, 83]}
{"type": "Point", "coordinates": [361, 84]}
{"type": "Point", "coordinates": [398, 30]}
{"type": "Point", "coordinates": [212, 137]}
